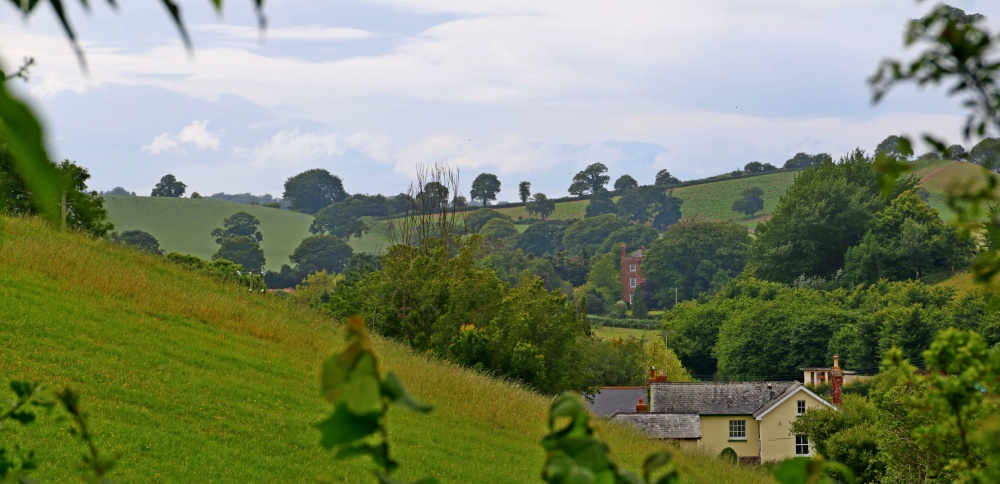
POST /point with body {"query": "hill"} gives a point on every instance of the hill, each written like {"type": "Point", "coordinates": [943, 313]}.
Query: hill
{"type": "Point", "coordinates": [190, 380]}
{"type": "Point", "coordinates": [185, 225]}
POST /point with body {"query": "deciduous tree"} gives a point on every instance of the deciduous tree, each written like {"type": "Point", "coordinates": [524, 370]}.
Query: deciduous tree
{"type": "Point", "coordinates": [750, 202]}
{"type": "Point", "coordinates": [137, 238]}
{"type": "Point", "coordinates": [339, 220]}
{"type": "Point", "coordinates": [485, 188]}
{"type": "Point", "coordinates": [168, 186]}
{"type": "Point", "coordinates": [524, 191]}
{"type": "Point", "coordinates": [242, 250]}
{"type": "Point", "coordinates": [664, 178]}
{"type": "Point", "coordinates": [321, 253]}
{"type": "Point", "coordinates": [541, 205]}
{"type": "Point", "coordinates": [312, 190]}
{"type": "Point", "coordinates": [590, 179]}
{"type": "Point", "coordinates": [239, 224]}
{"type": "Point", "coordinates": [625, 182]}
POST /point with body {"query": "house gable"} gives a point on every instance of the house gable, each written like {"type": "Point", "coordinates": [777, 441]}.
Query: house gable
{"type": "Point", "coordinates": [798, 390]}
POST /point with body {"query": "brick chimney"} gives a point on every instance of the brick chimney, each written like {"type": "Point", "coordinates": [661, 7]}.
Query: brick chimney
{"type": "Point", "coordinates": [641, 407]}
{"type": "Point", "coordinates": [837, 381]}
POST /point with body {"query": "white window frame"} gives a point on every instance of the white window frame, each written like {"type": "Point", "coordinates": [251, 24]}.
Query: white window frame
{"type": "Point", "coordinates": [801, 444]}
{"type": "Point", "coordinates": [631, 282]}
{"type": "Point", "coordinates": [800, 407]}
{"type": "Point", "coordinates": [630, 298]}
{"type": "Point", "coordinates": [737, 430]}
{"type": "Point", "coordinates": [631, 268]}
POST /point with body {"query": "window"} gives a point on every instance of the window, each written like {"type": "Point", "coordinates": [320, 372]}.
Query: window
{"type": "Point", "coordinates": [812, 377]}
{"type": "Point", "coordinates": [631, 267]}
{"type": "Point", "coordinates": [630, 298]}
{"type": "Point", "coordinates": [738, 430]}
{"type": "Point", "coordinates": [631, 282]}
{"type": "Point", "coordinates": [800, 407]}
{"type": "Point", "coordinates": [801, 444]}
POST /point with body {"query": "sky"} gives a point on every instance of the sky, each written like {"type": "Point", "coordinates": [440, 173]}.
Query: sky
{"type": "Point", "coordinates": [528, 90]}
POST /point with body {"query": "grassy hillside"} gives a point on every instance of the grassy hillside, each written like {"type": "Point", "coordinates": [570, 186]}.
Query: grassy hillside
{"type": "Point", "coordinates": [192, 381]}
{"type": "Point", "coordinates": [185, 225]}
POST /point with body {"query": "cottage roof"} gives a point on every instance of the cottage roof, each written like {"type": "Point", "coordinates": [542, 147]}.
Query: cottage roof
{"type": "Point", "coordinates": [609, 400]}
{"type": "Point", "coordinates": [663, 425]}
{"type": "Point", "coordinates": [719, 398]}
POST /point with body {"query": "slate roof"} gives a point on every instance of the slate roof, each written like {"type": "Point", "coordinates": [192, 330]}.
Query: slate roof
{"type": "Point", "coordinates": [663, 425]}
{"type": "Point", "coordinates": [719, 398]}
{"type": "Point", "coordinates": [609, 400]}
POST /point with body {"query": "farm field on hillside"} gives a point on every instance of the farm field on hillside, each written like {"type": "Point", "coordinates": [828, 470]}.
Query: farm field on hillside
{"type": "Point", "coordinates": [185, 225]}
{"type": "Point", "coordinates": [189, 380]}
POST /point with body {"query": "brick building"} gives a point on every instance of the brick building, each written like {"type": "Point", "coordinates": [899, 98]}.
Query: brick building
{"type": "Point", "coordinates": [631, 276]}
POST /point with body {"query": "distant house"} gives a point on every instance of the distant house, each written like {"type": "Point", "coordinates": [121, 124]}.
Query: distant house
{"type": "Point", "coordinates": [631, 276]}
{"type": "Point", "coordinates": [752, 418]}
{"type": "Point", "coordinates": [820, 375]}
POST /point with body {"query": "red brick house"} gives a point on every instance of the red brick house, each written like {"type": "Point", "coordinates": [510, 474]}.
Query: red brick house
{"type": "Point", "coordinates": [631, 276]}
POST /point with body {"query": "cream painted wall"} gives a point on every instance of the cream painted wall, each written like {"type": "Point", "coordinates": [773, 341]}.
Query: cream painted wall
{"type": "Point", "coordinates": [715, 435]}
{"type": "Point", "coordinates": [777, 442]}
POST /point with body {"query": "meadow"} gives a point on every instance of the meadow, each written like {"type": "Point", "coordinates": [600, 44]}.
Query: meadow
{"type": "Point", "coordinates": [189, 380]}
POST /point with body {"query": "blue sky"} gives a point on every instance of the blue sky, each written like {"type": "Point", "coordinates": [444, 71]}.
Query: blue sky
{"type": "Point", "coordinates": [528, 90]}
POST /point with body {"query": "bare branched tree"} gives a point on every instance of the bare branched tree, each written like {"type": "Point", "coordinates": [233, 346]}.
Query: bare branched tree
{"type": "Point", "coordinates": [429, 218]}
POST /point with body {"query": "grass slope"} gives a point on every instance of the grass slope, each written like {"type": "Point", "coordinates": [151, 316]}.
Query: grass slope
{"type": "Point", "coordinates": [192, 381]}
{"type": "Point", "coordinates": [185, 225]}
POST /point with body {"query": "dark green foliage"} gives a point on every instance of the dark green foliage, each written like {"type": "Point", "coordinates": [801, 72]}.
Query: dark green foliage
{"type": "Point", "coordinates": [574, 454]}
{"type": "Point", "coordinates": [906, 240]}
{"type": "Point", "coordinates": [312, 190]}
{"type": "Point", "coordinates": [541, 205]}
{"type": "Point", "coordinates": [321, 253]}
{"type": "Point", "coordinates": [247, 198]}
{"type": "Point", "coordinates": [821, 215]}
{"type": "Point", "coordinates": [285, 277]}
{"type": "Point", "coordinates": [138, 239]}
{"type": "Point", "coordinates": [600, 204]}
{"type": "Point", "coordinates": [802, 160]}
{"type": "Point", "coordinates": [485, 188]}
{"type": "Point", "coordinates": [634, 237]}
{"type": "Point", "coordinates": [664, 178]}
{"type": "Point", "coordinates": [590, 179]}
{"type": "Point", "coordinates": [896, 147]}
{"type": "Point", "coordinates": [625, 182]}
{"type": "Point", "coordinates": [728, 454]}
{"type": "Point", "coordinates": [499, 229]}
{"type": "Point", "coordinates": [168, 186]}
{"type": "Point", "coordinates": [242, 250]}
{"type": "Point", "coordinates": [339, 220]}
{"type": "Point", "coordinates": [986, 153]}
{"type": "Point", "coordinates": [956, 152]}
{"type": "Point", "coordinates": [618, 362]}
{"type": "Point", "coordinates": [758, 167]}
{"type": "Point", "coordinates": [585, 236]}
{"type": "Point", "coordinates": [750, 202]}
{"type": "Point", "coordinates": [84, 210]}
{"type": "Point", "coordinates": [121, 192]}
{"type": "Point", "coordinates": [524, 191]}
{"type": "Point", "coordinates": [239, 224]}
{"type": "Point", "coordinates": [476, 219]}
{"type": "Point", "coordinates": [543, 237]}
{"type": "Point", "coordinates": [650, 204]}
{"type": "Point", "coordinates": [361, 395]}
{"type": "Point", "coordinates": [695, 256]}
{"type": "Point", "coordinates": [639, 309]}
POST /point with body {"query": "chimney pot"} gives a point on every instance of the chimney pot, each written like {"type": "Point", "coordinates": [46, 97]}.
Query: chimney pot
{"type": "Point", "coordinates": [641, 407]}
{"type": "Point", "coordinates": [837, 382]}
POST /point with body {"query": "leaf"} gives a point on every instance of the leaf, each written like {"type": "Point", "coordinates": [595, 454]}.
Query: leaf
{"type": "Point", "coordinates": [796, 470]}
{"type": "Point", "coordinates": [392, 387]}
{"type": "Point", "coordinates": [175, 13]}
{"type": "Point", "coordinates": [655, 461]}
{"type": "Point", "coordinates": [363, 392]}
{"type": "Point", "coordinates": [23, 134]}
{"type": "Point", "coordinates": [343, 427]}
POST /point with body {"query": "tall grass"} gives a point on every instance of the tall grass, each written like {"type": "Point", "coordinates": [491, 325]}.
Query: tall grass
{"type": "Point", "coordinates": [189, 380]}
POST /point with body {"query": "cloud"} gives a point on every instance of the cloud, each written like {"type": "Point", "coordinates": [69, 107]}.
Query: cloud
{"type": "Point", "coordinates": [196, 134]}
{"type": "Point", "coordinates": [291, 147]}
{"type": "Point", "coordinates": [311, 33]}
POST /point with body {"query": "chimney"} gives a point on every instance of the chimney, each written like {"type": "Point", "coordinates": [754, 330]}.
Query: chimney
{"type": "Point", "coordinates": [623, 249]}
{"type": "Point", "coordinates": [837, 381]}
{"type": "Point", "coordinates": [641, 407]}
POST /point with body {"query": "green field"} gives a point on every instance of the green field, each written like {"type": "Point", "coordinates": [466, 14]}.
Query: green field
{"type": "Point", "coordinates": [185, 225]}
{"type": "Point", "coordinates": [188, 380]}
{"type": "Point", "coordinates": [625, 333]}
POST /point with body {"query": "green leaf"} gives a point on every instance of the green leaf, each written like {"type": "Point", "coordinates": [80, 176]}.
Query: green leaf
{"type": "Point", "coordinates": [23, 134]}
{"type": "Point", "coordinates": [392, 387]}
{"type": "Point", "coordinates": [363, 392]}
{"type": "Point", "coordinates": [344, 427]}
{"type": "Point", "coordinates": [655, 461]}
{"type": "Point", "coordinates": [175, 13]}
{"type": "Point", "coordinates": [796, 470]}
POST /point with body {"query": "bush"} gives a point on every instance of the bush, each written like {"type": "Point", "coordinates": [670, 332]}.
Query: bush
{"type": "Point", "coordinates": [728, 454]}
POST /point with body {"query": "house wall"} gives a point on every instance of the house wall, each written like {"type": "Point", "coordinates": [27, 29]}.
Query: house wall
{"type": "Point", "coordinates": [627, 274]}
{"type": "Point", "coordinates": [777, 441]}
{"type": "Point", "coordinates": [715, 435]}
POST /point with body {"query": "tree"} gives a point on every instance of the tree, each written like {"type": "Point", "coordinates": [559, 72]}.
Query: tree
{"type": "Point", "coordinates": [321, 253]}
{"type": "Point", "coordinates": [119, 192]}
{"type": "Point", "coordinates": [590, 179]}
{"type": "Point", "coordinates": [633, 236]}
{"type": "Point", "coordinates": [802, 160]}
{"type": "Point", "coordinates": [693, 256]}
{"type": "Point", "coordinates": [242, 250]}
{"type": "Point", "coordinates": [750, 202]}
{"type": "Point", "coordinates": [312, 190]}
{"type": "Point", "coordinates": [650, 204]}
{"type": "Point", "coordinates": [664, 178]}
{"type": "Point", "coordinates": [586, 235]}
{"type": "Point", "coordinates": [541, 206]}
{"type": "Point", "coordinates": [768, 167]}
{"type": "Point", "coordinates": [524, 191]}
{"type": "Point", "coordinates": [339, 220]}
{"type": "Point", "coordinates": [433, 197]}
{"type": "Point", "coordinates": [168, 187]}
{"type": "Point", "coordinates": [476, 220]}
{"type": "Point", "coordinates": [625, 182]}
{"type": "Point", "coordinates": [542, 237]}
{"type": "Point", "coordinates": [986, 153]}
{"type": "Point", "coordinates": [459, 201]}
{"type": "Point", "coordinates": [137, 238]}
{"type": "Point", "coordinates": [956, 152]}
{"type": "Point", "coordinates": [753, 167]}
{"type": "Point", "coordinates": [822, 214]}
{"type": "Point", "coordinates": [499, 228]}
{"type": "Point", "coordinates": [896, 147]}
{"type": "Point", "coordinates": [237, 225]}
{"type": "Point", "coordinates": [600, 204]}
{"type": "Point", "coordinates": [485, 188]}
